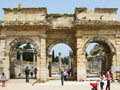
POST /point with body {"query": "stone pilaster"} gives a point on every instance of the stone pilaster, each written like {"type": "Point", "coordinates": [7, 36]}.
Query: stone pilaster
{"type": "Point", "coordinates": [81, 65]}
{"type": "Point", "coordinates": [41, 61]}
{"type": "Point", "coordinates": [3, 57]}
{"type": "Point", "coordinates": [116, 58]}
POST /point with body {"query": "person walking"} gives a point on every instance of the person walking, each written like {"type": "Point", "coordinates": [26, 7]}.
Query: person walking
{"type": "Point", "coordinates": [62, 78]}
{"type": "Point", "coordinates": [102, 77]}
{"type": "Point", "coordinates": [27, 74]}
{"type": "Point", "coordinates": [3, 80]}
{"type": "Point", "coordinates": [108, 79]}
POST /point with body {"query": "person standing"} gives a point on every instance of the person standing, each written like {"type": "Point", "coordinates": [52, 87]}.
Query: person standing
{"type": "Point", "coordinates": [65, 75]}
{"type": "Point", "coordinates": [62, 78]}
{"type": "Point", "coordinates": [27, 74]}
{"type": "Point", "coordinates": [108, 79]}
{"type": "Point", "coordinates": [3, 80]}
{"type": "Point", "coordinates": [35, 72]}
{"type": "Point", "coordinates": [102, 77]}
{"type": "Point", "coordinates": [31, 71]}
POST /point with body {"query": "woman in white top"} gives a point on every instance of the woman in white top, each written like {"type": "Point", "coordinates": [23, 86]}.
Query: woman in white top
{"type": "Point", "coordinates": [102, 77]}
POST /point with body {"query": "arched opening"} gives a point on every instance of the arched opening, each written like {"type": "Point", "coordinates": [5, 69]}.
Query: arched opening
{"type": "Point", "coordinates": [23, 53]}
{"type": "Point", "coordinates": [99, 54]}
{"type": "Point", "coordinates": [62, 60]}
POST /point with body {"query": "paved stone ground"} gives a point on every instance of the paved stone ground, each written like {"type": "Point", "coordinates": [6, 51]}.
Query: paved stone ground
{"type": "Point", "coordinates": [20, 84]}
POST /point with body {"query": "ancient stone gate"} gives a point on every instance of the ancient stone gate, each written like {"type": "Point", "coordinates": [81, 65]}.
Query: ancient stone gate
{"type": "Point", "coordinates": [33, 25]}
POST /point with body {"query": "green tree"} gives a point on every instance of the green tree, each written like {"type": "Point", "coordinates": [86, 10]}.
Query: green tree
{"type": "Point", "coordinates": [99, 51]}
{"type": "Point", "coordinates": [28, 46]}
{"type": "Point", "coordinates": [56, 59]}
{"type": "Point", "coordinates": [53, 56]}
{"type": "Point", "coordinates": [27, 56]}
{"type": "Point", "coordinates": [65, 60]}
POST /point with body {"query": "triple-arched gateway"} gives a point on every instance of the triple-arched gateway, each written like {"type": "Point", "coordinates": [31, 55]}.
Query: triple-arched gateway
{"type": "Point", "coordinates": [33, 25]}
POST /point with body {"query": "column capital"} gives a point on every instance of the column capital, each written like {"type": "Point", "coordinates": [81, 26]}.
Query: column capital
{"type": "Point", "coordinates": [49, 55]}
{"type": "Point", "coordinates": [117, 35]}
{"type": "Point", "coordinates": [20, 50]}
{"type": "Point", "coordinates": [43, 36]}
{"type": "Point", "coordinates": [78, 35]}
{"type": "Point", "coordinates": [59, 53]}
{"type": "Point", "coordinates": [2, 36]}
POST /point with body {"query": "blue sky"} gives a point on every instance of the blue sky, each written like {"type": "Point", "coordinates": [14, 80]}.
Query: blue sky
{"type": "Point", "coordinates": [62, 6]}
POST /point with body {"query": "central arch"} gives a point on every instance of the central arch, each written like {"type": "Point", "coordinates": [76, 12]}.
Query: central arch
{"type": "Point", "coordinates": [73, 49]}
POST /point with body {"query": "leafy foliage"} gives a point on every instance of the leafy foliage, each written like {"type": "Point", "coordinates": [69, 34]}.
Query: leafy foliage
{"type": "Point", "coordinates": [56, 59]}
{"type": "Point", "coordinates": [65, 60]}
{"type": "Point", "coordinates": [99, 51]}
{"type": "Point", "coordinates": [27, 56]}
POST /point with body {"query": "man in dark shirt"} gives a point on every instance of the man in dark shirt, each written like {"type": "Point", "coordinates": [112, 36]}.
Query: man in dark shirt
{"type": "Point", "coordinates": [27, 74]}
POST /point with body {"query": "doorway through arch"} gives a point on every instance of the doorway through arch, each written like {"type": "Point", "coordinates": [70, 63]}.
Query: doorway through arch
{"type": "Point", "coordinates": [100, 57]}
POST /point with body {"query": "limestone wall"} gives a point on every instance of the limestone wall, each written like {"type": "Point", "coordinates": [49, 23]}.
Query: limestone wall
{"type": "Point", "coordinates": [97, 14]}
{"type": "Point", "coordinates": [59, 20]}
{"type": "Point", "coordinates": [24, 14]}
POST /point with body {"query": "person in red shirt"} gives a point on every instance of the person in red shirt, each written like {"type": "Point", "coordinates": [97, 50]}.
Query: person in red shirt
{"type": "Point", "coordinates": [108, 79]}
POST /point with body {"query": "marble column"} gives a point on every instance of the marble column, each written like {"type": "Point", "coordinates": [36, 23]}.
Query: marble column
{"type": "Point", "coordinates": [60, 63]}
{"type": "Point", "coordinates": [34, 60]}
{"type": "Point", "coordinates": [70, 59]}
{"type": "Point", "coordinates": [50, 65]}
{"type": "Point", "coordinates": [21, 56]}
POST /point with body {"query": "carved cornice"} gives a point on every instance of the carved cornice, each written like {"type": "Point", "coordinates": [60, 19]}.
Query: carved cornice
{"type": "Point", "coordinates": [117, 36]}
{"type": "Point", "coordinates": [2, 36]}
{"type": "Point", "coordinates": [26, 9]}
{"type": "Point", "coordinates": [82, 24]}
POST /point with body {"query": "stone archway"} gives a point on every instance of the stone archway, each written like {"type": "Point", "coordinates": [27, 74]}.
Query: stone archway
{"type": "Point", "coordinates": [13, 46]}
{"type": "Point", "coordinates": [71, 58]}
{"type": "Point", "coordinates": [98, 66]}
{"type": "Point", "coordinates": [60, 41]}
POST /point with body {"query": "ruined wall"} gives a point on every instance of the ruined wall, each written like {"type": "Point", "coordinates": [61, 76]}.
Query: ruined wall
{"type": "Point", "coordinates": [59, 20]}
{"type": "Point", "coordinates": [97, 14]}
{"type": "Point", "coordinates": [25, 14]}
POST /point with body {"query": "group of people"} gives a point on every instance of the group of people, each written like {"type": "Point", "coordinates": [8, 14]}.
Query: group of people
{"type": "Point", "coordinates": [63, 77]}
{"type": "Point", "coordinates": [108, 77]}
{"type": "Point", "coordinates": [102, 77]}
{"type": "Point", "coordinates": [30, 71]}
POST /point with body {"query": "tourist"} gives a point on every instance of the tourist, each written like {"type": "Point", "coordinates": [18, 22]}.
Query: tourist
{"type": "Point", "coordinates": [102, 77]}
{"type": "Point", "coordinates": [31, 71]}
{"type": "Point", "coordinates": [27, 74]}
{"type": "Point", "coordinates": [35, 72]}
{"type": "Point", "coordinates": [108, 79]}
{"type": "Point", "coordinates": [62, 78]}
{"type": "Point", "coordinates": [75, 76]}
{"type": "Point", "coordinates": [3, 80]}
{"type": "Point", "coordinates": [65, 75]}
{"type": "Point", "coordinates": [68, 73]}
{"type": "Point", "coordinates": [111, 74]}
